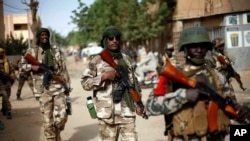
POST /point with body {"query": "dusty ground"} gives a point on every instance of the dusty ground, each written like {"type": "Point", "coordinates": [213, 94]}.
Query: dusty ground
{"type": "Point", "coordinates": [26, 123]}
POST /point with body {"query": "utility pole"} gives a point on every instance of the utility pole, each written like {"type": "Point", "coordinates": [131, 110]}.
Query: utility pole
{"type": "Point", "coordinates": [36, 23]}
{"type": "Point", "coordinates": [28, 26]}
{"type": "Point", "coordinates": [1, 21]}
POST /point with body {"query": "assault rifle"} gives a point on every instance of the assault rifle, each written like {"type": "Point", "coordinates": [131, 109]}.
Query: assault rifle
{"type": "Point", "coordinates": [231, 72]}
{"type": "Point", "coordinates": [48, 72]}
{"type": "Point", "coordinates": [124, 80]}
{"type": "Point", "coordinates": [215, 100]}
{"type": "Point", "coordinates": [6, 78]}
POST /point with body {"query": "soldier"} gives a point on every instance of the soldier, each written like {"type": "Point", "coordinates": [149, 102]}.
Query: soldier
{"type": "Point", "coordinates": [116, 115]}
{"type": "Point", "coordinates": [53, 91]}
{"type": "Point", "coordinates": [163, 86]}
{"type": "Point", "coordinates": [187, 105]}
{"type": "Point", "coordinates": [24, 76]}
{"type": "Point", "coordinates": [6, 80]}
{"type": "Point", "coordinates": [224, 64]}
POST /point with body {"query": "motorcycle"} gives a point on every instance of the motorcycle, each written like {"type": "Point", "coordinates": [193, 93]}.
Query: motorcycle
{"type": "Point", "coordinates": [150, 79]}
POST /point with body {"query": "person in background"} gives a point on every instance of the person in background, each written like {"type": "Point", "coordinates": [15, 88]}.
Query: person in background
{"type": "Point", "coordinates": [147, 64]}
{"type": "Point", "coordinates": [223, 62]}
{"type": "Point", "coordinates": [164, 85]}
{"type": "Point", "coordinates": [24, 76]}
{"type": "Point", "coordinates": [53, 93]}
{"type": "Point", "coordinates": [115, 117]}
{"type": "Point", "coordinates": [187, 107]}
{"type": "Point", "coordinates": [6, 80]}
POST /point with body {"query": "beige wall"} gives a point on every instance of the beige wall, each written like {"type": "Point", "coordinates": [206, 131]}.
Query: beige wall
{"type": "Point", "coordinates": [11, 20]}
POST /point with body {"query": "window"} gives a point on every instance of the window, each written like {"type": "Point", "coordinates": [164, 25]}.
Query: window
{"type": "Point", "coordinates": [232, 20]}
{"type": "Point", "coordinates": [246, 18]}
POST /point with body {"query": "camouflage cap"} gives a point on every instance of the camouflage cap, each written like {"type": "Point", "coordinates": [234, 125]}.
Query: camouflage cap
{"type": "Point", "coordinates": [169, 46]}
{"type": "Point", "coordinates": [218, 42]}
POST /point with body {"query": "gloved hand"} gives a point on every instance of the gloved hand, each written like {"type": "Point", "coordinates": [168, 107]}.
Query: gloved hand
{"type": "Point", "coordinates": [243, 114]}
{"type": "Point", "coordinates": [192, 95]}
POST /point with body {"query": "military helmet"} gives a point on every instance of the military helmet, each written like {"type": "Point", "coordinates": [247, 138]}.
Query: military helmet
{"type": "Point", "coordinates": [194, 35]}
{"type": "Point", "coordinates": [169, 46]}
{"type": "Point", "coordinates": [218, 42]}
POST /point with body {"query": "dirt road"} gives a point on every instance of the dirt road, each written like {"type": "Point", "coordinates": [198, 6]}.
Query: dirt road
{"type": "Point", "coordinates": [26, 123]}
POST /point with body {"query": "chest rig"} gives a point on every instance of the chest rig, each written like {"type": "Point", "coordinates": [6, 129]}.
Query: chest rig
{"type": "Point", "coordinates": [192, 119]}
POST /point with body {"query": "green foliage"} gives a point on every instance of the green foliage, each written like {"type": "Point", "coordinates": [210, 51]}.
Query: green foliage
{"type": "Point", "coordinates": [14, 46]}
{"type": "Point", "coordinates": [57, 38]}
{"type": "Point", "coordinates": [129, 15]}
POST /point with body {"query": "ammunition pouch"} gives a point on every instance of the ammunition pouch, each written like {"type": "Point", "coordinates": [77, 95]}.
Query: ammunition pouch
{"type": "Point", "coordinates": [118, 91]}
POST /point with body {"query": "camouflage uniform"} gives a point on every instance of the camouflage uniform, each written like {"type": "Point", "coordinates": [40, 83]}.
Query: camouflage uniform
{"type": "Point", "coordinates": [5, 87]}
{"type": "Point", "coordinates": [189, 121]}
{"type": "Point", "coordinates": [52, 100]}
{"type": "Point", "coordinates": [113, 118]}
{"type": "Point", "coordinates": [24, 76]}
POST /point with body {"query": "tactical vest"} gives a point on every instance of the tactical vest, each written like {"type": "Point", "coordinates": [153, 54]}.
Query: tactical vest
{"type": "Point", "coordinates": [192, 118]}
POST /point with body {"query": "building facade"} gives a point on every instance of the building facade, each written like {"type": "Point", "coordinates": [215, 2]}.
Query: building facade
{"type": "Point", "coordinates": [228, 19]}
{"type": "Point", "coordinates": [18, 25]}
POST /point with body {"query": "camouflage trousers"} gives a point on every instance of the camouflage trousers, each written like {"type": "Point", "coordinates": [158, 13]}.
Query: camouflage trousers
{"type": "Point", "coordinates": [22, 78]}
{"type": "Point", "coordinates": [5, 93]}
{"type": "Point", "coordinates": [110, 132]}
{"type": "Point", "coordinates": [54, 116]}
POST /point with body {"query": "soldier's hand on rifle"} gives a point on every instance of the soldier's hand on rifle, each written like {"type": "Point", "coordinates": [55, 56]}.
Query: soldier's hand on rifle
{"type": "Point", "coordinates": [138, 112]}
{"type": "Point", "coordinates": [109, 75]}
{"type": "Point", "coordinates": [35, 67]}
{"type": "Point", "coordinates": [12, 76]}
{"type": "Point", "coordinates": [66, 93]}
{"type": "Point", "coordinates": [243, 114]}
{"type": "Point", "coordinates": [192, 95]}
{"type": "Point", "coordinates": [224, 66]}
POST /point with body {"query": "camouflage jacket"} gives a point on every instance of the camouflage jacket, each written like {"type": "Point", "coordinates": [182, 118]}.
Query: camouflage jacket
{"type": "Point", "coordinates": [60, 69]}
{"type": "Point", "coordinates": [174, 101]}
{"type": "Point", "coordinates": [106, 109]}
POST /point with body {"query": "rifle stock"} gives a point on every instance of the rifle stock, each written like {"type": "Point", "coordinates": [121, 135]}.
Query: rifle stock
{"type": "Point", "coordinates": [106, 56]}
{"type": "Point", "coordinates": [57, 78]}
{"type": "Point", "coordinates": [215, 100]}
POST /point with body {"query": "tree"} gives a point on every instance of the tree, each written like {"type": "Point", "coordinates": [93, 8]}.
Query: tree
{"type": "Point", "coordinates": [141, 23]}
{"type": "Point", "coordinates": [36, 22]}
{"type": "Point", "coordinates": [14, 46]}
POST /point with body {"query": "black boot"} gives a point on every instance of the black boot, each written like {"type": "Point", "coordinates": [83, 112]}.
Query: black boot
{"type": "Point", "coordinates": [18, 97]}
{"type": "Point", "coordinates": [9, 115]}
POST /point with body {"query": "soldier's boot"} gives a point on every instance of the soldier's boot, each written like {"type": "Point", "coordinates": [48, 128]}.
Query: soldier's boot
{"type": "Point", "coordinates": [9, 115]}
{"type": "Point", "coordinates": [37, 96]}
{"type": "Point", "coordinates": [18, 95]}
{"type": "Point", "coordinates": [4, 112]}
{"type": "Point", "coordinates": [58, 136]}
{"type": "Point", "coordinates": [1, 125]}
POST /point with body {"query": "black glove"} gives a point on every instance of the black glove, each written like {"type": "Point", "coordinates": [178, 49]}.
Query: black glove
{"type": "Point", "coordinates": [192, 95]}
{"type": "Point", "coordinates": [243, 114]}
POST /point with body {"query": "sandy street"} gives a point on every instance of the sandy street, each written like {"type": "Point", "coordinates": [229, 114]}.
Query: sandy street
{"type": "Point", "coordinates": [26, 123]}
